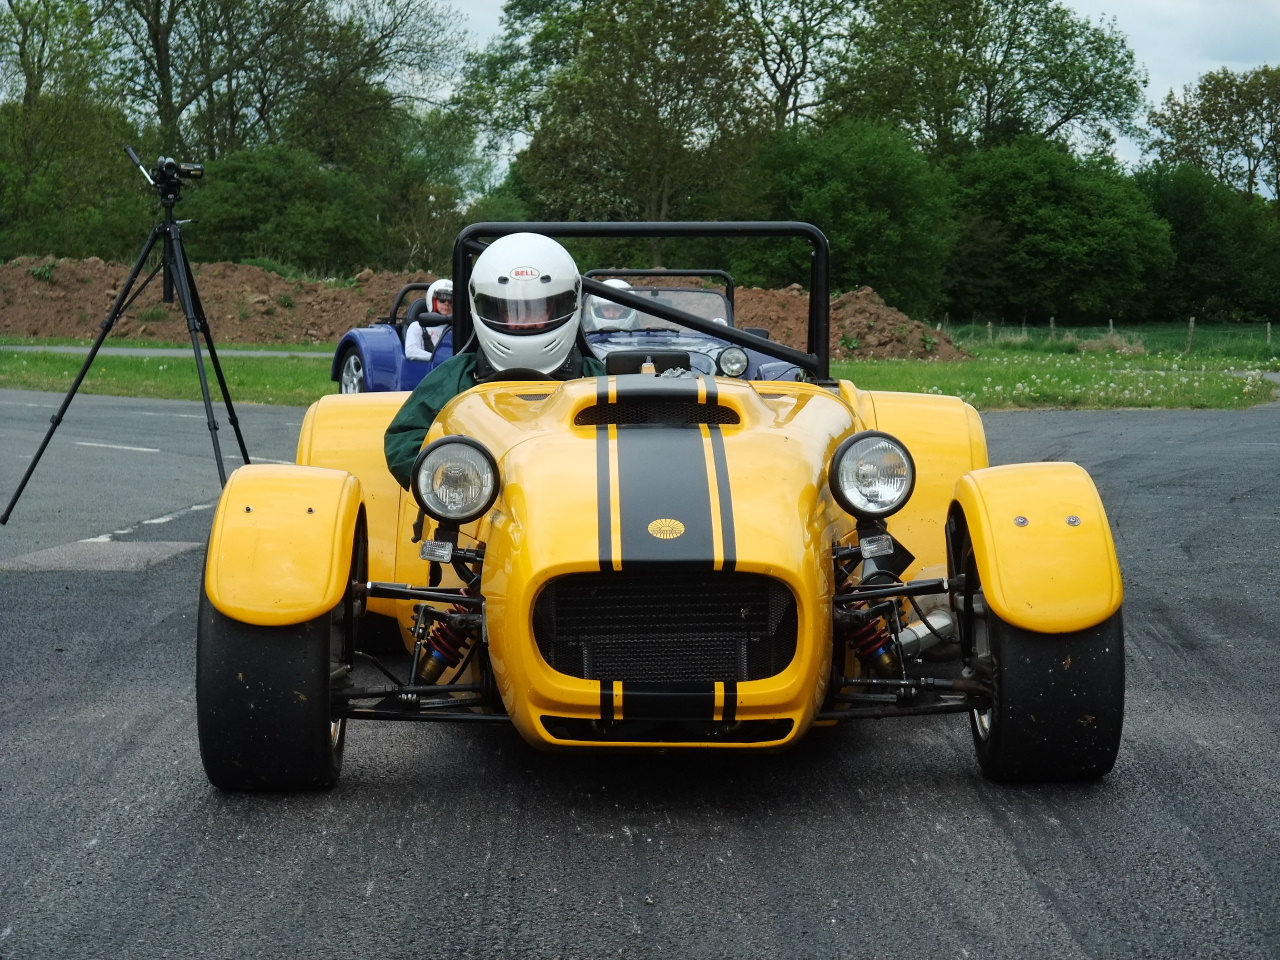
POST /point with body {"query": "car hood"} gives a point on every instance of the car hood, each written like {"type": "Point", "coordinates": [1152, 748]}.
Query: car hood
{"type": "Point", "coordinates": [634, 471]}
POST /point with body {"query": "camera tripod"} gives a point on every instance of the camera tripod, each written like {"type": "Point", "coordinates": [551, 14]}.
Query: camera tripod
{"type": "Point", "coordinates": [167, 179]}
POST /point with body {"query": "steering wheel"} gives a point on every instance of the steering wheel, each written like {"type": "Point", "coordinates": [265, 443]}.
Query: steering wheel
{"type": "Point", "coordinates": [516, 373]}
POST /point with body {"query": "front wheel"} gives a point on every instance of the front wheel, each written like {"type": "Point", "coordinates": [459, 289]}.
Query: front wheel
{"type": "Point", "coordinates": [264, 712]}
{"type": "Point", "coordinates": [351, 375]}
{"type": "Point", "coordinates": [1058, 704]}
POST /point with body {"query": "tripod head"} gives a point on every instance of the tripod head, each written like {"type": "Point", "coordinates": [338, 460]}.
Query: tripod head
{"type": "Point", "coordinates": [167, 176]}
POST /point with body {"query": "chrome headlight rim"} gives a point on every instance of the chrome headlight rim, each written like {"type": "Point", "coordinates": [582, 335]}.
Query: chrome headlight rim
{"type": "Point", "coordinates": [733, 358]}
{"type": "Point", "coordinates": [431, 451]}
{"type": "Point", "coordinates": [842, 497]}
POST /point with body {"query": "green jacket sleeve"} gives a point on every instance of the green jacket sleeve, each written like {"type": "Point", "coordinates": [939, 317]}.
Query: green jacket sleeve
{"type": "Point", "coordinates": [409, 427]}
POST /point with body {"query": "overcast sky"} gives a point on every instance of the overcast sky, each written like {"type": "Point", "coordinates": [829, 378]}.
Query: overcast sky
{"type": "Point", "coordinates": [1176, 40]}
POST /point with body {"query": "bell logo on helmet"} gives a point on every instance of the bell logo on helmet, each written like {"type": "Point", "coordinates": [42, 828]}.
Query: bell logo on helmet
{"type": "Point", "coordinates": [525, 273]}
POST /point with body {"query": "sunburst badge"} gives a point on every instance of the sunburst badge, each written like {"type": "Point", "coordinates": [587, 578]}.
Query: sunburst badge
{"type": "Point", "coordinates": [666, 529]}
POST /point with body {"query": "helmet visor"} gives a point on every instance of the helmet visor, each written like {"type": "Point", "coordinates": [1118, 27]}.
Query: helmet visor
{"type": "Point", "coordinates": [534, 315]}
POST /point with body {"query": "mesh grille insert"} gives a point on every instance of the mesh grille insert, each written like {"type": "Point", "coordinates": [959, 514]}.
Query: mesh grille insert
{"type": "Point", "coordinates": [667, 627]}
{"type": "Point", "coordinates": [655, 411]}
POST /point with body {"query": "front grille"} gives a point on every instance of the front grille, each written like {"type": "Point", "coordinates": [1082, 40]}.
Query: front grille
{"type": "Point", "coordinates": [704, 627]}
{"type": "Point", "coordinates": [650, 410]}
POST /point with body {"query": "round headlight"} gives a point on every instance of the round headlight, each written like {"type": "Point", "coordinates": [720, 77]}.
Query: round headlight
{"type": "Point", "coordinates": [733, 361]}
{"type": "Point", "coordinates": [872, 475]}
{"type": "Point", "coordinates": [455, 480]}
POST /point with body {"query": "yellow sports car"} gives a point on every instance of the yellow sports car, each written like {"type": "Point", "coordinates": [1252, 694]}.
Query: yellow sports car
{"type": "Point", "coordinates": [657, 558]}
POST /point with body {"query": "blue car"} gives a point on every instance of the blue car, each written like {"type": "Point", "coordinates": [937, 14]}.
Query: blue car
{"type": "Point", "coordinates": [372, 358]}
{"type": "Point", "coordinates": [626, 338]}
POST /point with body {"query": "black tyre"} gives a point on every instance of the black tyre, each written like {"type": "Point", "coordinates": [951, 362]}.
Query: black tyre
{"type": "Point", "coordinates": [264, 711]}
{"type": "Point", "coordinates": [1058, 707]}
{"type": "Point", "coordinates": [351, 372]}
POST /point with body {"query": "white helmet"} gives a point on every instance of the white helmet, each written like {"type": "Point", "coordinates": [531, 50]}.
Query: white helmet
{"type": "Point", "coordinates": [607, 315]}
{"type": "Point", "coordinates": [443, 289]}
{"type": "Point", "coordinates": [525, 294]}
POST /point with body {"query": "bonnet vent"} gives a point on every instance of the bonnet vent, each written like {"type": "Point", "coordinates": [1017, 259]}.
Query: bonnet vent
{"type": "Point", "coordinates": [655, 410]}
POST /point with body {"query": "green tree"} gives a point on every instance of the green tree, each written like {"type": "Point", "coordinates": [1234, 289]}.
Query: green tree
{"type": "Point", "coordinates": [179, 51]}
{"type": "Point", "coordinates": [1042, 233]}
{"type": "Point", "coordinates": [884, 208]}
{"type": "Point", "coordinates": [1226, 248]}
{"type": "Point", "coordinates": [220, 75]}
{"type": "Point", "coordinates": [65, 187]}
{"type": "Point", "coordinates": [433, 169]}
{"type": "Point", "coordinates": [1227, 124]}
{"type": "Point", "coordinates": [283, 203]}
{"type": "Point", "coordinates": [645, 117]}
{"type": "Point", "coordinates": [792, 43]}
{"type": "Point", "coordinates": [965, 74]}
{"type": "Point", "coordinates": [506, 85]}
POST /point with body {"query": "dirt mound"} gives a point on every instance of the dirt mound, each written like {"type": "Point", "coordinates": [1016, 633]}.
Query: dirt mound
{"type": "Point", "coordinates": [863, 327]}
{"type": "Point", "coordinates": [244, 304]}
{"type": "Point", "coordinates": [42, 297]}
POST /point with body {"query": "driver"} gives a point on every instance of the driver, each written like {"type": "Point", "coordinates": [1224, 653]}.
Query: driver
{"type": "Point", "coordinates": [607, 315]}
{"type": "Point", "coordinates": [417, 335]}
{"type": "Point", "coordinates": [525, 298]}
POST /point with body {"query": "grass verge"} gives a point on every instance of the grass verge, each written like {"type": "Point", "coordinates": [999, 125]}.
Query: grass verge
{"type": "Point", "coordinates": [289, 381]}
{"type": "Point", "coordinates": [1093, 381]}
{"type": "Point", "coordinates": [1003, 376]}
{"type": "Point", "coordinates": [9, 340]}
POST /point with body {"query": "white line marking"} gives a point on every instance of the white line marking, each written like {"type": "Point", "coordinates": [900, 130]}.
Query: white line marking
{"type": "Point", "coordinates": [108, 537]}
{"type": "Point", "coordinates": [116, 446]}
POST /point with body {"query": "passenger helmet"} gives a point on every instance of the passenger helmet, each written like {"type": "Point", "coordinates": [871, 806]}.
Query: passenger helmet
{"type": "Point", "coordinates": [525, 294]}
{"type": "Point", "coordinates": [442, 289]}
{"type": "Point", "coordinates": [605, 314]}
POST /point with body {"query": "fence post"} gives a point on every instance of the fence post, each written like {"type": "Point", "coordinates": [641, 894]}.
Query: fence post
{"type": "Point", "coordinates": [1191, 333]}
{"type": "Point", "coordinates": [1053, 330]}
{"type": "Point", "coordinates": [1111, 326]}
{"type": "Point", "coordinates": [1268, 334]}
{"type": "Point", "coordinates": [991, 336]}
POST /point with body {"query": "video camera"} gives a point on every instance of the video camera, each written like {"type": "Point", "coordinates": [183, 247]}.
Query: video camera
{"type": "Point", "coordinates": [168, 168]}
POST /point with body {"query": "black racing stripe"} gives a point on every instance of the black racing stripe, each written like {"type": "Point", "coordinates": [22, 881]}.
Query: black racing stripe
{"type": "Point", "coordinates": [730, 712]}
{"type": "Point", "coordinates": [726, 498]}
{"type": "Point", "coordinates": [648, 387]}
{"type": "Point", "coordinates": [606, 699]}
{"type": "Point", "coordinates": [687, 701]}
{"type": "Point", "coordinates": [604, 516]}
{"type": "Point", "coordinates": [713, 392]}
{"type": "Point", "coordinates": [662, 475]}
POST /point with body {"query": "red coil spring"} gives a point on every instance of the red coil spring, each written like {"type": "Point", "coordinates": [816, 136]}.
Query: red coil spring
{"type": "Point", "coordinates": [870, 639]}
{"type": "Point", "coordinates": [448, 642]}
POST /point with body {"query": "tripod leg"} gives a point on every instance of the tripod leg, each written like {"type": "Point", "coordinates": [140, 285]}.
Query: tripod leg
{"type": "Point", "coordinates": [176, 267]}
{"type": "Point", "coordinates": [116, 310]}
{"type": "Point", "coordinates": [213, 354]}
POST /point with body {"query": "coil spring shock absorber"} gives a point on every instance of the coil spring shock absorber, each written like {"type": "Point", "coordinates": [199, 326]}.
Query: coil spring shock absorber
{"type": "Point", "coordinates": [873, 643]}
{"type": "Point", "coordinates": [443, 645]}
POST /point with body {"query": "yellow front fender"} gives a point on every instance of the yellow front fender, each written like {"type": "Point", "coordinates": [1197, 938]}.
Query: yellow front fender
{"type": "Point", "coordinates": [280, 549]}
{"type": "Point", "coordinates": [1042, 545]}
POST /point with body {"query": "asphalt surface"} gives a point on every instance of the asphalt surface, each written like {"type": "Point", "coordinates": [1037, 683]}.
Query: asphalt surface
{"type": "Point", "coordinates": [873, 840]}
